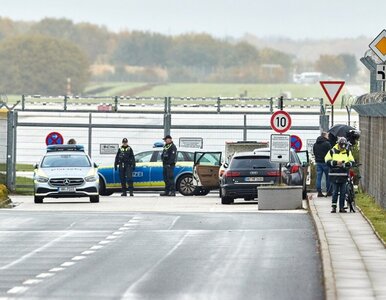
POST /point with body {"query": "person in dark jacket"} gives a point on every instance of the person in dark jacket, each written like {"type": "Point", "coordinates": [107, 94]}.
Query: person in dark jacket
{"type": "Point", "coordinates": [321, 147]}
{"type": "Point", "coordinates": [126, 161]}
{"type": "Point", "coordinates": [169, 158]}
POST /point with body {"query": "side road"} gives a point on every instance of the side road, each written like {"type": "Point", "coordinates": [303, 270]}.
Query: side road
{"type": "Point", "coordinates": [354, 259]}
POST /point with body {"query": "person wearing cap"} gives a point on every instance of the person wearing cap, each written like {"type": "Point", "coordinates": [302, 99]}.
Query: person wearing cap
{"type": "Point", "coordinates": [125, 160]}
{"type": "Point", "coordinates": [340, 160]}
{"type": "Point", "coordinates": [169, 158]}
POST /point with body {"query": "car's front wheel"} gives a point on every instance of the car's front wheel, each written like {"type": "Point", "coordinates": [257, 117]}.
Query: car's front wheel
{"type": "Point", "coordinates": [185, 185]}
{"type": "Point", "coordinates": [102, 188]}
{"type": "Point", "coordinates": [38, 199]}
{"type": "Point", "coordinates": [94, 199]}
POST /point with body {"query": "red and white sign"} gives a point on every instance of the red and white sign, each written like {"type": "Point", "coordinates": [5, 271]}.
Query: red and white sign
{"type": "Point", "coordinates": [281, 121]}
{"type": "Point", "coordinates": [332, 89]}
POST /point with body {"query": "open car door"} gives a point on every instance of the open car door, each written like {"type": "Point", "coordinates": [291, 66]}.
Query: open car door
{"type": "Point", "coordinates": [305, 160]}
{"type": "Point", "coordinates": [205, 170]}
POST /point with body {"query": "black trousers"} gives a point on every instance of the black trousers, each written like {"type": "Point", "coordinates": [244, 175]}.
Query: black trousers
{"type": "Point", "coordinates": [168, 173]}
{"type": "Point", "coordinates": [126, 175]}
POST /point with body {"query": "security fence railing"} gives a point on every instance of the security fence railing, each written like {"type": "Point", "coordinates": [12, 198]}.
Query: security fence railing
{"type": "Point", "coordinates": [99, 123]}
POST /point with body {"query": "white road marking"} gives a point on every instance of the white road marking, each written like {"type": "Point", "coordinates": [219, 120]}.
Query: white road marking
{"type": "Point", "coordinates": [88, 252]}
{"type": "Point", "coordinates": [78, 258]}
{"type": "Point", "coordinates": [134, 221]}
{"type": "Point", "coordinates": [45, 275]}
{"type": "Point", "coordinates": [104, 242]}
{"type": "Point", "coordinates": [67, 264]}
{"type": "Point", "coordinates": [123, 228]}
{"type": "Point", "coordinates": [96, 247]}
{"type": "Point", "coordinates": [18, 290]}
{"type": "Point", "coordinates": [24, 257]}
{"type": "Point", "coordinates": [173, 223]}
{"type": "Point", "coordinates": [118, 233]}
{"type": "Point", "coordinates": [56, 269]}
{"type": "Point", "coordinates": [32, 281]}
{"type": "Point", "coordinates": [129, 224]}
{"type": "Point", "coordinates": [112, 237]}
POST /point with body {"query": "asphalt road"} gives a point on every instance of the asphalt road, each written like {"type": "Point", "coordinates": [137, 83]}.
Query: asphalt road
{"type": "Point", "coordinates": [69, 254]}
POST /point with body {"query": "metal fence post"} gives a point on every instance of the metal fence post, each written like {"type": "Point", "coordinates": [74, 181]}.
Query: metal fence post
{"type": "Point", "coordinates": [22, 102]}
{"type": "Point", "coordinates": [116, 103]}
{"type": "Point", "coordinates": [11, 151]}
{"type": "Point", "coordinates": [245, 128]}
{"type": "Point", "coordinates": [65, 102]}
{"type": "Point", "coordinates": [167, 116]}
{"type": "Point", "coordinates": [271, 105]}
{"type": "Point", "coordinates": [89, 134]}
{"type": "Point", "coordinates": [218, 104]}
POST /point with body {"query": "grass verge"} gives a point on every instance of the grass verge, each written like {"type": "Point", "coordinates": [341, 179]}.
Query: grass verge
{"type": "Point", "coordinates": [375, 213]}
{"type": "Point", "coordinates": [4, 200]}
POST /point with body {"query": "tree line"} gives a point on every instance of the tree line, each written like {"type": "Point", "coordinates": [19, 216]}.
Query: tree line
{"type": "Point", "coordinates": [37, 57]}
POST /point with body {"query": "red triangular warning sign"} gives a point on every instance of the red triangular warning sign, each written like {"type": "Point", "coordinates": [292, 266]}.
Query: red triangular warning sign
{"type": "Point", "coordinates": [332, 89]}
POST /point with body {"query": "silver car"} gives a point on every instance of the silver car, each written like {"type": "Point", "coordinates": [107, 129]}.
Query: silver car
{"type": "Point", "coordinates": [66, 171]}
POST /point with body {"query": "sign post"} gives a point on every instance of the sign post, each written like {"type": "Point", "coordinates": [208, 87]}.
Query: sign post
{"type": "Point", "coordinates": [280, 144]}
{"type": "Point", "coordinates": [332, 90]}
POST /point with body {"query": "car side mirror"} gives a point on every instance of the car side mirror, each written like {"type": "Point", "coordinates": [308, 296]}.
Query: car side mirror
{"type": "Point", "coordinates": [95, 165]}
{"type": "Point", "coordinates": [288, 165]}
{"type": "Point", "coordinates": [36, 166]}
{"type": "Point", "coordinates": [226, 165]}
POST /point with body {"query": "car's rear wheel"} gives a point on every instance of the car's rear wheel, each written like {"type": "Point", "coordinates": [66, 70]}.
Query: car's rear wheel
{"type": "Point", "coordinates": [227, 200]}
{"type": "Point", "coordinates": [185, 185]}
{"type": "Point", "coordinates": [38, 199]}
{"type": "Point", "coordinates": [94, 199]}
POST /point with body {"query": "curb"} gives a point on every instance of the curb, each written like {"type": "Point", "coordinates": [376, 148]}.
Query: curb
{"type": "Point", "coordinates": [372, 226]}
{"type": "Point", "coordinates": [328, 273]}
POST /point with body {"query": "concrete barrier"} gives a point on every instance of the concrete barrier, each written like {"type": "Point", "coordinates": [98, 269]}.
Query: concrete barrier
{"type": "Point", "coordinates": [280, 197]}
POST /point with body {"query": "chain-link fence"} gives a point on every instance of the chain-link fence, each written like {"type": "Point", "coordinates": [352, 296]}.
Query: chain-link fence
{"type": "Point", "coordinates": [100, 126]}
{"type": "Point", "coordinates": [372, 120]}
{"type": "Point", "coordinates": [3, 146]}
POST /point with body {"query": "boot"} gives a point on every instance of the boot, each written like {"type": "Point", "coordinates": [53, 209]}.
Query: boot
{"type": "Point", "coordinates": [342, 210]}
{"type": "Point", "coordinates": [164, 194]}
{"type": "Point", "coordinates": [172, 194]}
{"type": "Point", "coordinates": [329, 194]}
{"type": "Point", "coordinates": [320, 194]}
{"type": "Point", "coordinates": [131, 194]}
{"type": "Point", "coordinates": [124, 194]}
{"type": "Point", "coordinates": [333, 209]}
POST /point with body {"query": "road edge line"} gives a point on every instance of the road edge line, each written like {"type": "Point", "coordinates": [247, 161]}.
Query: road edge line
{"type": "Point", "coordinates": [330, 290]}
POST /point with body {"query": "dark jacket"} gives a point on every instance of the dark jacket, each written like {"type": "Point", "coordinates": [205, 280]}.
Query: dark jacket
{"type": "Point", "coordinates": [125, 157]}
{"type": "Point", "coordinates": [321, 147]}
{"type": "Point", "coordinates": [169, 154]}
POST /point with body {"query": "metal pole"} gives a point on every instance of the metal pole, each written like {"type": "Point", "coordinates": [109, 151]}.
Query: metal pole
{"type": "Point", "coordinates": [271, 105]}
{"type": "Point", "coordinates": [65, 102]}
{"type": "Point", "coordinates": [218, 104]}
{"type": "Point", "coordinates": [245, 128]}
{"type": "Point", "coordinates": [22, 102]}
{"type": "Point", "coordinates": [10, 180]}
{"type": "Point", "coordinates": [332, 115]}
{"type": "Point", "coordinates": [280, 179]}
{"type": "Point", "coordinates": [116, 103]}
{"type": "Point", "coordinates": [348, 114]}
{"type": "Point", "coordinates": [89, 134]}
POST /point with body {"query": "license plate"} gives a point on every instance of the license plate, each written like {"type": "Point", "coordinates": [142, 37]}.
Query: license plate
{"type": "Point", "coordinates": [67, 189]}
{"type": "Point", "coordinates": [254, 179]}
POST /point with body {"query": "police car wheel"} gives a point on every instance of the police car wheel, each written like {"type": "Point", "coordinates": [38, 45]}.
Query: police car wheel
{"type": "Point", "coordinates": [38, 199]}
{"type": "Point", "coordinates": [185, 185]}
{"type": "Point", "coordinates": [94, 199]}
{"type": "Point", "coordinates": [102, 188]}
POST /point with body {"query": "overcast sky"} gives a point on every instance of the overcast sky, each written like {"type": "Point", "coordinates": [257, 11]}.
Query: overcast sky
{"type": "Point", "coordinates": [296, 19]}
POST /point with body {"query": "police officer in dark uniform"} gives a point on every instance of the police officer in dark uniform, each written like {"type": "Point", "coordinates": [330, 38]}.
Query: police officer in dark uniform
{"type": "Point", "coordinates": [126, 161]}
{"type": "Point", "coordinates": [169, 158]}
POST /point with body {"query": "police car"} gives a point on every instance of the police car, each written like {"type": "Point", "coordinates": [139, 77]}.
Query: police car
{"type": "Point", "coordinates": [148, 173]}
{"type": "Point", "coordinates": [66, 171]}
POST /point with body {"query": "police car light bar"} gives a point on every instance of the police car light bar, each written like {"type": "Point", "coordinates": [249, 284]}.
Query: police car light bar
{"type": "Point", "coordinates": [55, 148]}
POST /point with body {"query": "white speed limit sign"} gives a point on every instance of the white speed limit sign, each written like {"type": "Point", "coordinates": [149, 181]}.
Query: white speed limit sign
{"type": "Point", "coordinates": [281, 121]}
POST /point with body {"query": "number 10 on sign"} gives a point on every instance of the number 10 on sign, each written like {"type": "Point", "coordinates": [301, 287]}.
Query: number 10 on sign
{"type": "Point", "coordinates": [281, 121]}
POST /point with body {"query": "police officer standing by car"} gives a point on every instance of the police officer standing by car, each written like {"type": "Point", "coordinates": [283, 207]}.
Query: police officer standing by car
{"type": "Point", "coordinates": [126, 161]}
{"type": "Point", "coordinates": [169, 158]}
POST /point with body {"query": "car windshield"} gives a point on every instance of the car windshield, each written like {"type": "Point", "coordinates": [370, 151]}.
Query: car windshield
{"type": "Point", "coordinates": [65, 160]}
{"type": "Point", "coordinates": [253, 162]}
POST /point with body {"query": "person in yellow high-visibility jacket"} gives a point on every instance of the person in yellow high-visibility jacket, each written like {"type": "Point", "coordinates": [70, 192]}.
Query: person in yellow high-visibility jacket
{"type": "Point", "coordinates": [340, 160]}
